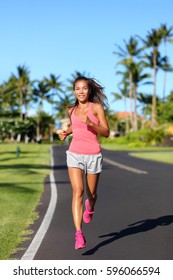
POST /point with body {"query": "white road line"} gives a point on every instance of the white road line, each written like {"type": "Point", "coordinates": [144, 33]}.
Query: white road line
{"type": "Point", "coordinates": [126, 167]}
{"type": "Point", "coordinates": [36, 242]}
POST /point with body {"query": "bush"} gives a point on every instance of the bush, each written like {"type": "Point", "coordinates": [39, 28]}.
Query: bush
{"type": "Point", "coordinates": [155, 136]}
{"type": "Point", "coordinates": [148, 136]}
{"type": "Point", "coordinates": [139, 138]}
{"type": "Point", "coordinates": [137, 144]}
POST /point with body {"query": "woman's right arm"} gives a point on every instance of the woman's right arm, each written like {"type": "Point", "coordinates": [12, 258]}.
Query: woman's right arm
{"type": "Point", "coordinates": [64, 133]}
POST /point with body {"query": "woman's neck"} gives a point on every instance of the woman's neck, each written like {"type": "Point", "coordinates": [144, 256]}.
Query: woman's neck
{"type": "Point", "coordinates": [83, 105]}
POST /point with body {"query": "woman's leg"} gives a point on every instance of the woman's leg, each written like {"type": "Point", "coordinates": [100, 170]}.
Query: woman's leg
{"type": "Point", "coordinates": [91, 188]}
{"type": "Point", "coordinates": [77, 182]}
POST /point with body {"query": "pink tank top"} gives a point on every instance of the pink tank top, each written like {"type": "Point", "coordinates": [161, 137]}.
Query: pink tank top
{"type": "Point", "coordinates": [84, 139]}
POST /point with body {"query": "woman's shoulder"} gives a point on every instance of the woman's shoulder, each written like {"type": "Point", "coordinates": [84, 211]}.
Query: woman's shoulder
{"type": "Point", "coordinates": [70, 110]}
{"type": "Point", "coordinates": [97, 106]}
{"type": "Point", "coordinates": [97, 109]}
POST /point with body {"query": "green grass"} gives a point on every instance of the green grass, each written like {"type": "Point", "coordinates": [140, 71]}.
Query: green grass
{"type": "Point", "coordinates": [21, 186]}
{"type": "Point", "coordinates": [162, 154]}
{"type": "Point", "coordinates": [165, 156]}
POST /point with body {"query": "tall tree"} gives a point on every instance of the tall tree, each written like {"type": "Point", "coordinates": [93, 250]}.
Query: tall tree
{"type": "Point", "coordinates": [128, 53]}
{"type": "Point", "coordinates": [9, 99]}
{"type": "Point", "coordinates": [40, 94]}
{"type": "Point", "coordinates": [161, 63]}
{"type": "Point", "coordinates": [153, 40]}
{"type": "Point", "coordinates": [123, 94]}
{"type": "Point", "coordinates": [138, 78]}
{"type": "Point", "coordinates": [62, 103]}
{"type": "Point", "coordinates": [20, 83]}
{"type": "Point", "coordinates": [167, 35]}
{"type": "Point", "coordinates": [146, 101]}
{"type": "Point", "coordinates": [54, 86]}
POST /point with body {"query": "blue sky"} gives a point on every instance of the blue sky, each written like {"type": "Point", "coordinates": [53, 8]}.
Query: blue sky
{"type": "Point", "coordinates": [61, 37]}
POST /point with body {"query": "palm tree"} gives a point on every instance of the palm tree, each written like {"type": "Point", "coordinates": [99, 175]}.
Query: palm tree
{"type": "Point", "coordinates": [112, 120]}
{"type": "Point", "coordinates": [153, 40]}
{"type": "Point", "coordinates": [128, 85]}
{"type": "Point", "coordinates": [166, 34]}
{"type": "Point", "coordinates": [123, 94]}
{"type": "Point", "coordinates": [62, 104]}
{"type": "Point", "coordinates": [161, 63]}
{"type": "Point", "coordinates": [146, 100]}
{"type": "Point", "coordinates": [131, 49]}
{"type": "Point", "coordinates": [40, 94]}
{"type": "Point", "coordinates": [54, 86]}
{"type": "Point", "coordinates": [20, 83]}
{"type": "Point", "coordinates": [55, 90]}
{"type": "Point", "coordinates": [1, 98]}
{"type": "Point", "coordinates": [137, 78]}
{"type": "Point", "coordinates": [128, 54]}
{"type": "Point", "coordinates": [53, 83]}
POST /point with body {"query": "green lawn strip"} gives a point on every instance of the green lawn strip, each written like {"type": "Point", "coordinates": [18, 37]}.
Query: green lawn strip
{"type": "Point", "coordinates": [166, 156]}
{"type": "Point", "coordinates": [130, 147]}
{"type": "Point", "coordinates": [21, 186]}
{"type": "Point", "coordinates": [162, 154]}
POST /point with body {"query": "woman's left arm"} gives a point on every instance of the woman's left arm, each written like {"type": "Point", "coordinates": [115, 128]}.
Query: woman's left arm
{"type": "Point", "coordinates": [102, 128]}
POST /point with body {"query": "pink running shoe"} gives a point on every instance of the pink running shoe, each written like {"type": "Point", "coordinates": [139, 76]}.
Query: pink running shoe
{"type": "Point", "coordinates": [80, 240]}
{"type": "Point", "coordinates": [88, 214]}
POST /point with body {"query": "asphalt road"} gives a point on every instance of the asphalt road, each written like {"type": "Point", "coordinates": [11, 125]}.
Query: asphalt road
{"type": "Point", "coordinates": [133, 217]}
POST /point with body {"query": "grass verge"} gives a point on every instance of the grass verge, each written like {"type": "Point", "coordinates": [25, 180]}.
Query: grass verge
{"type": "Point", "coordinates": [162, 154]}
{"type": "Point", "coordinates": [21, 186]}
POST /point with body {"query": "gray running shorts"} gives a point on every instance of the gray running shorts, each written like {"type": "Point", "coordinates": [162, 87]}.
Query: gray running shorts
{"type": "Point", "coordinates": [91, 164]}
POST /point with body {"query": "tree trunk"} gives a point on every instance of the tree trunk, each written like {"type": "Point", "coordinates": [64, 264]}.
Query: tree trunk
{"type": "Point", "coordinates": [135, 109]}
{"type": "Point", "coordinates": [164, 78]}
{"type": "Point", "coordinates": [131, 100]}
{"type": "Point", "coordinates": [153, 114]}
{"type": "Point", "coordinates": [126, 118]}
{"type": "Point", "coordinates": [21, 104]}
{"type": "Point", "coordinates": [38, 122]}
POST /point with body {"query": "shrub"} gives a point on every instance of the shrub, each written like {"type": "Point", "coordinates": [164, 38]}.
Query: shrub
{"type": "Point", "coordinates": [139, 138]}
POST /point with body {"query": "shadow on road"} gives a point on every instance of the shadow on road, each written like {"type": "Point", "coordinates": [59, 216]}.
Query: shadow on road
{"type": "Point", "coordinates": [140, 226]}
{"type": "Point", "coordinates": [60, 167]}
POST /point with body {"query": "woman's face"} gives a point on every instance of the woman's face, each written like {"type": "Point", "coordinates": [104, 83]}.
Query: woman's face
{"type": "Point", "coordinates": [81, 90]}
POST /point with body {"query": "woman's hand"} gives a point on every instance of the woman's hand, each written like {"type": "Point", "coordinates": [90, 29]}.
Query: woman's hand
{"type": "Point", "coordinates": [102, 128]}
{"type": "Point", "coordinates": [62, 135]}
{"type": "Point", "coordinates": [86, 120]}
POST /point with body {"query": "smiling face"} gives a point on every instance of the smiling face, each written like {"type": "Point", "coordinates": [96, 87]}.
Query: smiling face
{"type": "Point", "coordinates": [81, 90]}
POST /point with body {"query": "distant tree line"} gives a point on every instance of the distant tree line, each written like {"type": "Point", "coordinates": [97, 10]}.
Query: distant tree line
{"type": "Point", "coordinates": [138, 62]}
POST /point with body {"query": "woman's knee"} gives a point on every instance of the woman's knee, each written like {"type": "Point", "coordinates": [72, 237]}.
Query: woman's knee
{"type": "Point", "coordinates": [78, 192]}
